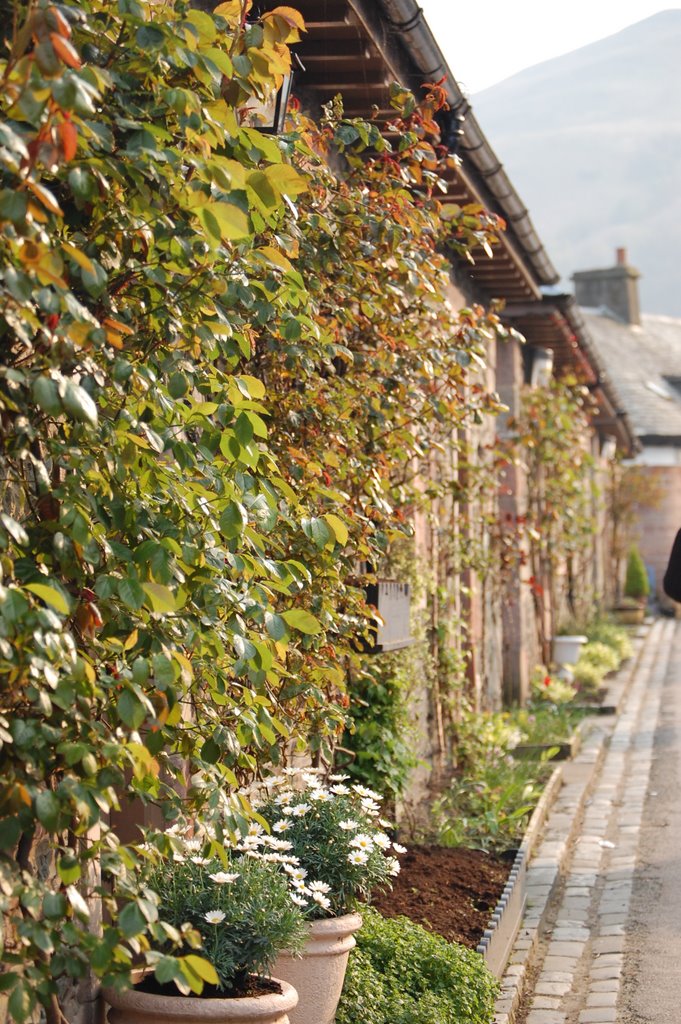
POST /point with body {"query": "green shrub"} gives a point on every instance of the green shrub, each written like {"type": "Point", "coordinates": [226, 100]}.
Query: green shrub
{"type": "Point", "coordinates": [402, 974]}
{"type": "Point", "coordinates": [588, 677]}
{"type": "Point", "coordinates": [600, 655]}
{"type": "Point", "coordinates": [614, 636]}
{"type": "Point", "coordinates": [636, 583]}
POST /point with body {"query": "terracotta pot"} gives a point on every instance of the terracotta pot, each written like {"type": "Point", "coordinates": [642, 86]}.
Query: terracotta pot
{"type": "Point", "coordinates": [133, 1007]}
{"type": "Point", "coordinates": [319, 974]}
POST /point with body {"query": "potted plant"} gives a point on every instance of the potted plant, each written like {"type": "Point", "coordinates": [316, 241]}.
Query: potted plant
{"type": "Point", "coordinates": [230, 917]}
{"type": "Point", "coordinates": [334, 832]}
{"type": "Point", "coordinates": [630, 610]}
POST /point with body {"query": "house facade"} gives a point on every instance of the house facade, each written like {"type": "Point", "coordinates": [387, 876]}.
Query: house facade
{"type": "Point", "coordinates": [641, 354]}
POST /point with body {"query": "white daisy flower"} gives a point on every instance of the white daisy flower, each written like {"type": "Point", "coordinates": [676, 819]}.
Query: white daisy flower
{"type": "Point", "coordinates": [348, 825]}
{"type": "Point", "coordinates": [255, 829]}
{"type": "Point", "coordinates": [193, 845]}
{"type": "Point", "coordinates": [340, 790]}
{"type": "Point", "coordinates": [363, 791]}
{"type": "Point", "coordinates": [278, 844]}
{"type": "Point", "coordinates": [338, 778]}
{"type": "Point", "coordinates": [299, 885]}
{"type": "Point", "coordinates": [362, 842]}
{"type": "Point", "coordinates": [357, 857]}
{"type": "Point", "coordinates": [385, 824]}
{"type": "Point", "coordinates": [382, 841]}
{"type": "Point", "coordinates": [215, 916]}
{"type": "Point", "coordinates": [284, 799]}
{"type": "Point", "coordinates": [370, 806]}
{"type": "Point", "coordinates": [321, 899]}
{"type": "Point", "coordinates": [310, 777]}
{"type": "Point", "coordinates": [320, 796]}
{"type": "Point", "coordinates": [399, 849]}
{"type": "Point", "coordinates": [297, 874]}
{"type": "Point", "coordinates": [290, 771]}
{"type": "Point", "coordinates": [224, 877]}
{"type": "Point", "coordinates": [322, 887]}
{"type": "Point", "coordinates": [394, 866]}
{"type": "Point", "coordinates": [282, 826]}
{"type": "Point", "coordinates": [201, 861]}
{"type": "Point", "coordinates": [299, 810]}
{"type": "Point", "coordinates": [299, 901]}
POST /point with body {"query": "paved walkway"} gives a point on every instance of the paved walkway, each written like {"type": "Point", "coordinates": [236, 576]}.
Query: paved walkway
{"type": "Point", "coordinates": [606, 947]}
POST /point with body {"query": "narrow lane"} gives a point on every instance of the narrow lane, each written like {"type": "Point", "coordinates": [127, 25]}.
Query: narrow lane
{"type": "Point", "coordinates": [652, 965]}
{"type": "Point", "coordinates": [592, 963]}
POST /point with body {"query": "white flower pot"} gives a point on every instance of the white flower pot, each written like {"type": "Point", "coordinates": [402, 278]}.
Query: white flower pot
{"type": "Point", "coordinates": [566, 649]}
{"type": "Point", "coordinates": [319, 973]}
{"type": "Point", "coordinates": [134, 1007]}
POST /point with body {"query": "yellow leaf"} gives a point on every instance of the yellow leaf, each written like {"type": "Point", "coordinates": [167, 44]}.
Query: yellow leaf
{"type": "Point", "coordinates": [81, 259]}
{"type": "Point", "coordinates": [45, 197]}
{"type": "Point", "coordinates": [131, 640]}
{"type": "Point", "coordinates": [290, 15]}
{"type": "Point", "coordinates": [50, 595]}
{"type": "Point", "coordinates": [203, 968]}
{"type": "Point", "coordinates": [274, 256]}
{"type": "Point", "coordinates": [338, 527]}
{"type": "Point", "coordinates": [232, 9]}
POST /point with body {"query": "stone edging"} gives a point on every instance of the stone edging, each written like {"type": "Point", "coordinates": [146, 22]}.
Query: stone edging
{"type": "Point", "coordinates": [543, 873]}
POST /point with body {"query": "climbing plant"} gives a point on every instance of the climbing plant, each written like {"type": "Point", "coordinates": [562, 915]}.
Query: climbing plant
{"type": "Point", "coordinates": [225, 369]}
{"type": "Point", "coordinates": [550, 439]}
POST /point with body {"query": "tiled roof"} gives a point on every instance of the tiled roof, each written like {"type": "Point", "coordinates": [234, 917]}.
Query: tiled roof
{"type": "Point", "coordinates": [642, 364]}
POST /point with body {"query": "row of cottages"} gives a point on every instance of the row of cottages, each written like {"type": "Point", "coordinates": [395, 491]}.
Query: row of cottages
{"type": "Point", "coordinates": [358, 48]}
{"type": "Point", "coordinates": [641, 354]}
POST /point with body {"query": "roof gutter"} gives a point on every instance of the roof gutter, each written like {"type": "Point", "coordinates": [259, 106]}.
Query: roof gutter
{"type": "Point", "coordinates": [406, 19]}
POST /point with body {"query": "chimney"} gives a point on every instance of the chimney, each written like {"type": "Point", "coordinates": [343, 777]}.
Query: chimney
{"type": "Point", "coordinates": [616, 289]}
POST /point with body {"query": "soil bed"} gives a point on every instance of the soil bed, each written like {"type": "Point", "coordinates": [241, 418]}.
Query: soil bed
{"type": "Point", "coordinates": [449, 891]}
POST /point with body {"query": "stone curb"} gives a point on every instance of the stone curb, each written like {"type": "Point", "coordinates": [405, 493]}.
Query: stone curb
{"type": "Point", "coordinates": [561, 816]}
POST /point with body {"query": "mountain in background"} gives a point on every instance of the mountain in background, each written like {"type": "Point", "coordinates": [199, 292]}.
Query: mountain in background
{"type": "Point", "coordinates": [592, 142]}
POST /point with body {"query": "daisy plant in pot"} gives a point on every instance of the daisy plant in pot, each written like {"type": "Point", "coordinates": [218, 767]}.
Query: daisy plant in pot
{"type": "Point", "coordinates": [338, 852]}
{"type": "Point", "coordinates": [227, 917]}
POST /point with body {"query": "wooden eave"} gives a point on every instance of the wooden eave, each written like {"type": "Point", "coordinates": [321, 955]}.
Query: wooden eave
{"type": "Point", "coordinates": [347, 49]}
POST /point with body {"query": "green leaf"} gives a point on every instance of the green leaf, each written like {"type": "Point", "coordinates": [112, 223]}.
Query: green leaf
{"type": "Point", "coordinates": [166, 970]}
{"type": "Point", "coordinates": [21, 1002]}
{"type": "Point", "coordinates": [54, 905]}
{"type": "Point", "coordinates": [164, 673]}
{"type": "Point", "coordinates": [303, 621]}
{"type": "Point", "coordinates": [149, 37]}
{"type": "Point", "coordinates": [159, 598]}
{"type": "Point", "coordinates": [131, 593]}
{"type": "Point", "coordinates": [233, 520]}
{"type": "Point", "coordinates": [130, 709]}
{"type": "Point", "coordinates": [131, 920]}
{"type": "Point", "coordinates": [78, 404]}
{"type": "Point", "coordinates": [50, 595]}
{"type": "Point", "coordinates": [275, 626]}
{"type": "Point", "coordinates": [225, 221]}
{"type": "Point", "coordinates": [10, 830]}
{"type": "Point", "coordinates": [47, 810]}
{"type": "Point", "coordinates": [286, 179]}
{"type": "Point", "coordinates": [13, 205]}
{"type": "Point", "coordinates": [69, 869]}
{"type": "Point", "coordinates": [14, 529]}
{"type": "Point", "coordinates": [210, 751]}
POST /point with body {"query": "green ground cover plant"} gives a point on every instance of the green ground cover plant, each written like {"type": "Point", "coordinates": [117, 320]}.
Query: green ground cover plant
{"type": "Point", "coordinates": [401, 974]}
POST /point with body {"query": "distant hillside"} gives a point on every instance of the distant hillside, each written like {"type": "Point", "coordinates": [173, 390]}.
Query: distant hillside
{"type": "Point", "coordinates": [592, 142]}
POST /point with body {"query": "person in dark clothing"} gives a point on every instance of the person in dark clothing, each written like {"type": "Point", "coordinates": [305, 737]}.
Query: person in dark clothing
{"type": "Point", "coordinates": [671, 584]}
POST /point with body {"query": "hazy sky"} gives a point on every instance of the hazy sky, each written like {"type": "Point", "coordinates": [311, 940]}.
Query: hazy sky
{"type": "Point", "coordinates": [485, 41]}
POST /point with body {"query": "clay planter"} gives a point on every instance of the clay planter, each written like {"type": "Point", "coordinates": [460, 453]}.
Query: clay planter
{"type": "Point", "coordinates": [628, 616]}
{"type": "Point", "coordinates": [133, 1007]}
{"type": "Point", "coordinates": [319, 974]}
